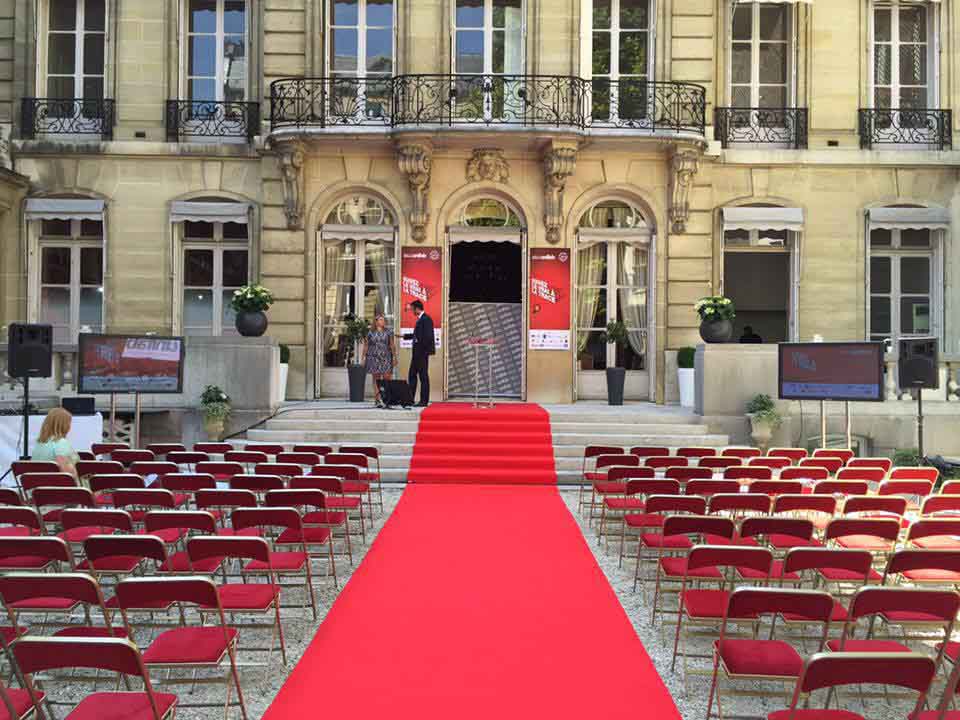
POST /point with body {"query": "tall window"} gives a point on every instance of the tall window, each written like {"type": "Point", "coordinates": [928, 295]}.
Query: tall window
{"type": "Point", "coordinates": [760, 56]}
{"type": "Point", "coordinates": [361, 55]}
{"type": "Point", "coordinates": [76, 40]}
{"type": "Point", "coordinates": [622, 58]}
{"type": "Point", "coordinates": [71, 277]}
{"type": "Point", "coordinates": [612, 285]}
{"type": "Point", "coordinates": [901, 284]}
{"type": "Point", "coordinates": [215, 263]}
{"type": "Point", "coordinates": [216, 50]}
{"type": "Point", "coordinates": [488, 41]}
{"type": "Point", "coordinates": [901, 56]}
{"type": "Point", "coordinates": [359, 270]}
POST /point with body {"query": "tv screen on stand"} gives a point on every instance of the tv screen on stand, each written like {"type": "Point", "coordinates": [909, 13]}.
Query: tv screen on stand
{"type": "Point", "coordinates": [130, 364]}
{"type": "Point", "coordinates": [850, 371]}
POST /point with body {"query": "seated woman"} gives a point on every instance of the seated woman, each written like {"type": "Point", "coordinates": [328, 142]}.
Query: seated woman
{"type": "Point", "coordinates": [52, 443]}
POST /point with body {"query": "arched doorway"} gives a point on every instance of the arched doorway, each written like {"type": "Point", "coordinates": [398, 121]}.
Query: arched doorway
{"type": "Point", "coordinates": [485, 298]}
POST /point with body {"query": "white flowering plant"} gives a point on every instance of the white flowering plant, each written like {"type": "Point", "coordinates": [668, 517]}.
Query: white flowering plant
{"type": "Point", "coordinates": [214, 403]}
{"type": "Point", "coordinates": [251, 298]}
{"type": "Point", "coordinates": [715, 308]}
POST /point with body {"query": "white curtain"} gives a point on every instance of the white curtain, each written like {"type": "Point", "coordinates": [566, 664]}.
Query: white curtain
{"type": "Point", "coordinates": [632, 293]}
{"type": "Point", "coordinates": [380, 260]}
{"type": "Point", "coordinates": [591, 261]}
{"type": "Point", "coordinates": [338, 271]}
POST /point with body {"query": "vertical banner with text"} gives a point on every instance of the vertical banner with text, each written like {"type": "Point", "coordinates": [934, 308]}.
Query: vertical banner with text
{"type": "Point", "coordinates": [421, 278]}
{"type": "Point", "coordinates": [549, 299]}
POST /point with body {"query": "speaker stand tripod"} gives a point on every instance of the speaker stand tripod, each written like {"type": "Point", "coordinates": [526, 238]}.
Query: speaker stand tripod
{"type": "Point", "coordinates": [25, 455]}
{"type": "Point", "coordinates": [919, 392]}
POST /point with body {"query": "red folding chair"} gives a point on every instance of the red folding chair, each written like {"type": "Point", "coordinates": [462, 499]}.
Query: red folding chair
{"type": "Point", "coordinates": [85, 455]}
{"type": "Point", "coordinates": [844, 570]}
{"type": "Point", "coordinates": [878, 535]}
{"type": "Point", "coordinates": [874, 506]}
{"type": "Point", "coordinates": [80, 523]}
{"type": "Point", "coordinates": [220, 503]}
{"type": "Point", "coordinates": [139, 502]}
{"type": "Point", "coordinates": [742, 453]}
{"type": "Point", "coordinates": [351, 485]}
{"type": "Point", "coordinates": [844, 454]}
{"type": "Point", "coordinates": [318, 523]}
{"type": "Point", "coordinates": [739, 505]}
{"type": "Point", "coordinates": [779, 533]}
{"type": "Point", "coordinates": [695, 452]}
{"type": "Point", "coordinates": [257, 484]}
{"type": "Point", "coordinates": [601, 465]}
{"type": "Point", "coordinates": [685, 474]}
{"type": "Point", "coordinates": [841, 488]}
{"type": "Point", "coordinates": [795, 455]}
{"type": "Point", "coordinates": [313, 448]}
{"type": "Point", "coordinates": [868, 462]}
{"type": "Point", "coordinates": [831, 464]}
{"type": "Point", "coordinates": [634, 502]}
{"type": "Point", "coordinates": [613, 493]}
{"type": "Point", "coordinates": [819, 509]}
{"type": "Point", "coordinates": [755, 659]}
{"type": "Point", "coordinates": [212, 448]}
{"type": "Point", "coordinates": [221, 471]}
{"type": "Point", "coordinates": [333, 488]}
{"type": "Point", "coordinates": [161, 449]}
{"type": "Point", "coordinates": [805, 474]}
{"type": "Point", "coordinates": [19, 521]}
{"type": "Point", "coordinates": [248, 458]}
{"type": "Point", "coordinates": [914, 671]}
{"type": "Point", "coordinates": [373, 466]}
{"type": "Point", "coordinates": [31, 481]}
{"type": "Point", "coordinates": [19, 468]}
{"type": "Point", "coordinates": [191, 647]}
{"type": "Point", "coordinates": [58, 594]}
{"type": "Point", "coordinates": [706, 488]}
{"type": "Point", "coordinates": [188, 484]}
{"type": "Point", "coordinates": [747, 473]}
{"type": "Point", "coordinates": [285, 563]}
{"type": "Point", "coordinates": [950, 488]}
{"type": "Point", "coordinates": [611, 482]}
{"type": "Point", "coordinates": [718, 463]}
{"type": "Point", "coordinates": [153, 468]}
{"type": "Point", "coordinates": [874, 475]}
{"type": "Point", "coordinates": [119, 655]}
{"type": "Point", "coordinates": [105, 448]}
{"type": "Point", "coordinates": [948, 699]}
{"type": "Point", "coordinates": [934, 534]}
{"type": "Point", "coordinates": [172, 526]}
{"type": "Point", "coordinates": [51, 501]}
{"type": "Point", "coordinates": [88, 468]}
{"type": "Point", "coordinates": [663, 462]}
{"type": "Point", "coordinates": [121, 555]}
{"type": "Point", "coordinates": [939, 568]}
{"type": "Point", "coordinates": [102, 486]}
{"type": "Point", "coordinates": [271, 449]}
{"type": "Point", "coordinates": [35, 553]}
{"type": "Point", "coordinates": [658, 508]}
{"type": "Point", "coordinates": [774, 463]}
{"type": "Point", "coordinates": [283, 470]}
{"type": "Point", "coordinates": [187, 459]}
{"type": "Point", "coordinates": [943, 505]}
{"type": "Point", "coordinates": [9, 496]}
{"type": "Point", "coordinates": [773, 488]}
{"type": "Point", "coordinates": [914, 490]}
{"type": "Point", "coordinates": [128, 457]}
{"type": "Point", "coordinates": [646, 451]}
{"type": "Point", "coordinates": [305, 460]}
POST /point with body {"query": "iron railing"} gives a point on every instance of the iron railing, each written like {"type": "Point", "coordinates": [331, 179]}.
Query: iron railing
{"type": "Point", "coordinates": [786, 127]}
{"type": "Point", "coordinates": [536, 101]}
{"type": "Point", "coordinates": [188, 119]}
{"type": "Point", "coordinates": [67, 116]}
{"type": "Point", "coordinates": [926, 128]}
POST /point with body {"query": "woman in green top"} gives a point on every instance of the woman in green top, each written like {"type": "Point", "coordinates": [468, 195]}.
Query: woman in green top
{"type": "Point", "coordinates": [52, 444]}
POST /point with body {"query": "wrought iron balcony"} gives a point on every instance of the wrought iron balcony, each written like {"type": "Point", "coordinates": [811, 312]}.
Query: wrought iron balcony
{"type": "Point", "coordinates": [922, 128]}
{"type": "Point", "coordinates": [524, 101]}
{"type": "Point", "coordinates": [784, 127]}
{"type": "Point", "coordinates": [202, 119]}
{"type": "Point", "coordinates": [67, 116]}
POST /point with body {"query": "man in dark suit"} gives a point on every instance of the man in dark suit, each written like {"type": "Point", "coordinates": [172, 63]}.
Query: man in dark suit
{"type": "Point", "coordinates": [423, 347]}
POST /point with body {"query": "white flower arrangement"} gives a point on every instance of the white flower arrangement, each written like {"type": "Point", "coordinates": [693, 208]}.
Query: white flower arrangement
{"type": "Point", "coordinates": [714, 308]}
{"type": "Point", "coordinates": [251, 298]}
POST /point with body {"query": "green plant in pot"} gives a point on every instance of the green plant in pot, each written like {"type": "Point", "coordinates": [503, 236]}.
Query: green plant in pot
{"type": "Point", "coordinates": [251, 303]}
{"type": "Point", "coordinates": [686, 375]}
{"type": "Point", "coordinates": [355, 330]}
{"type": "Point", "coordinates": [764, 419]}
{"type": "Point", "coordinates": [215, 410]}
{"type": "Point", "coordinates": [716, 318]}
{"type": "Point", "coordinates": [616, 334]}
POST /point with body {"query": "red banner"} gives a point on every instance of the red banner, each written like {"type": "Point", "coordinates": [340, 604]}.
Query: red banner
{"type": "Point", "coordinates": [549, 299]}
{"type": "Point", "coordinates": [421, 278]}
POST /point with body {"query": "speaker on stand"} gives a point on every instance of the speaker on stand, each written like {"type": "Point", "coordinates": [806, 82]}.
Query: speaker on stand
{"type": "Point", "coordinates": [29, 354]}
{"type": "Point", "coordinates": [918, 370]}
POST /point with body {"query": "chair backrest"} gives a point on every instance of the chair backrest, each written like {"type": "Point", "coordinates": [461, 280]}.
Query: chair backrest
{"type": "Point", "coordinates": [256, 483]}
{"type": "Point", "coordinates": [38, 654]}
{"type": "Point", "coordinates": [370, 451]}
{"type": "Point", "coordinates": [146, 547]}
{"type": "Point", "coordinates": [841, 487]}
{"type": "Point", "coordinates": [187, 457]}
{"type": "Point", "coordinates": [605, 461]}
{"type": "Point", "coordinates": [21, 516]}
{"type": "Point", "coordinates": [146, 468]}
{"type": "Point", "coordinates": [219, 470]}
{"type": "Point", "coordinates": [31, 481]}
{"type": "Point", "coordinates": [718, 463]}
{"type": "Point", "coordinates": [764, 526]}
{"type": "Point", "coordinates": [84, 517]}
{"type": "Point", "coordinates": [739, 503]}
{"type": "Point", "coordinates": [800, 559]}
{"type": "Point", "coordinates": [246, 548]}
{"type": "Point", "coordinates": [747, 472]}
{"type": "Point", "coordinates": [144, 593]}
{"type": "Point", "coordinates": [271, 449]}
{"type": "Point", "coordinates": [105, 448]}
{"type": "Point", "coordinates": [273, 517]}
{"type": "Point", "coordinates": [880, 528]}
{"type": "Point", "coordinates": [620, 474]}
{"type": "Point", "coordinates": [188, 482]}
{"type": "Point", "coordinates": [910, 670]}
{"type": "Point", "coordinates": [150, 497]}
{"type": "Point", "coordinates": [212, 448]}
{"type": "Point", "coordinates": [161, 449]}
{"type": "Point", "coordinates": [298, 498]}
{"type": "Point", "coordinates": [939, 605]}
{"type": "Point", "coordinates": [744, 453]}
{"type": "Point", "coordinates": [696, 452]}
{"type": "Point", "coordinates": [754, 558]}
{"type": "Point", "coordinates": [871, 462]}
{"type": "Point", "coordinates": [85, 455]}
{"type": "Point", "coordinates": [930, 474]}
{"type": "Point", "coordinates": [9, 496]}
{"type": "Point", "coordinates": [776, 487]}
{"type": "Point", "coordinates": [910, 559]}
{"type": "Point", "coordinates": [652, 487]}
{"type": "Point", "coordinates": [304, 459]}
{"type": "Point", "coordinates": [314, 448]}
{"type": "Point", "coordinates": [809, 474]}
{"type": "Point", "coordinates": [869, 474]}
{"type": "Point", "coordinates": [196, 520]}
{"type": "Point", "coordinates": [663, 504]}
{"type": "Point", "coordinates": [832, 464]}
{"type": "Point", "coordinates": [684, 473]}
{"type": "Point", "coordinates": [284, 470]}
{"type": "Point", "coordinates": [890, 505]}
{"type": "Point", "coordinates": [793, 454]}
{"type": "Point", "coordinates": [47, 548]}
{"type": "Point", "coordinates": [912, 487]}
{"type": "Point", "coordinates": [129, 456]}
{"type": "Point", "coordinates": [333, 485]}
{"type": "Point", "coordinates": [247, 457]}
{"type": "Point", "coordinates": [62, 497]}
{"type": "Point", "coordinates": [23, 467]}
{"type": "Point", "coordinates": [844, 454]}
{"type": "Point", "coordinates": [215, 499]}
{"type": "Point", "coordinates": [706, 488]}
{"type": "Point", "coordinates": [18, 587]}
{"type": "Point", "coordinates": [774, 463]}
{"type": "Point", "coordinates": [661, 461]}
{"type": "Point", "coordinates": [933, 527]}
{"type": "Point", "coordinates": [752, 602]}
{"type": "Point", "coordinates": [645, 451]}
{"type": "Point", "coordinates": [595, 451]}
{"type": "Point", "coordinates": [354, 459]}
{"type": "Point", "coordinates": [348, 473]}
{"type": "Point", "coordinates": [805, 503]}
{"type": "Point", "coordinates": [85, 468]}
{"type": "Point", "coordinates": [941, 504]}
{"type": "Point", "coordinates": [699, 525]}
{"type": "Point", "coordinates": [125, 481]}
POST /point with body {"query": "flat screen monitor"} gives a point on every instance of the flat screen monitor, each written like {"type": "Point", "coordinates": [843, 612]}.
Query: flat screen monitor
{"type": "Point", "coordinates": [831, 371]}
{"type": "Point", "coordinates": [130, 364]}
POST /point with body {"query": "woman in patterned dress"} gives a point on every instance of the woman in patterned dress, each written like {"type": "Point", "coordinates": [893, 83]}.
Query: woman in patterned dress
{"type": "Point", "coordinates": [380, 355]}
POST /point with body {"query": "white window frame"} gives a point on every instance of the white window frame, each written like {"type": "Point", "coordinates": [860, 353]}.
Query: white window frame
{"type": "Point", "coordinates": [755, 41]}
{"type": "Point", "coordinates": [487, 29]}
{"type": "Point", "coordinates": [895, 252]}
{"type": "Point", "coordinates": [362, 27]}
{"type": "Point", "coordinates": [220, 77]}
{"type": "Point", "coordinates": [933, 52]}
{"type": "Point", "coordinates": [218, 245]}
{"type": "Point", "coordinates": [76, 241]}
{"type": "Point", "coordinates": [79, 32]}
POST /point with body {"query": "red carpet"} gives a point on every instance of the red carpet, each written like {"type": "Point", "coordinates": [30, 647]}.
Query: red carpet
{"type": "Point", "coordinates": [476, 603]}
{"type": "Point", "coordinates": [458, 443]}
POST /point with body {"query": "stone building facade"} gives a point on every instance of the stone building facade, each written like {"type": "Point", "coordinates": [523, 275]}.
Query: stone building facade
{"type": "Point", "coordinates": [796, 156]}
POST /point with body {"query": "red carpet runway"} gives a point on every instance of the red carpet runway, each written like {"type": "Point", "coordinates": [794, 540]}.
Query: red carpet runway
{"type": "Point", "coordinates": [476, 602]}
{"type": "Point", "coordinates": [509, 443]}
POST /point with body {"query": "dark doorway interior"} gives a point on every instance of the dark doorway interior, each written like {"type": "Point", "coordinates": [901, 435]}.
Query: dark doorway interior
{"type": "Point", "coordinates": [486, 272]}
{"type": "Point", "coordinates": [759, 285]}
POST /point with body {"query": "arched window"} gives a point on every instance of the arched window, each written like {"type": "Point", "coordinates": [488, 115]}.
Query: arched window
{"type": "Point", "coordinates": [489, 212]}
{"type": "Point", "coordinates": [360, 210]}
{"type": "Point", "coordinates": [612, 214]}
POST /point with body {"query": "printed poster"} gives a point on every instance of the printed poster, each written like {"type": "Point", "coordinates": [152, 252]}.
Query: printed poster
{"type": "Point", "coordinates": [549, 299]}
{"type": "Point", "coordinates": [421, 278]}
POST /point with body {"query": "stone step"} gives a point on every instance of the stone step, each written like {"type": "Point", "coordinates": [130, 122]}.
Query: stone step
{"type": "Point", "coordinates": [665, 416]}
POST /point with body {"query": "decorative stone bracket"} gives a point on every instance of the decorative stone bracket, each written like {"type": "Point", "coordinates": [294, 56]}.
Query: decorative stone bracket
{"type": "Point", "coordinates": [414, 161]}
{"type": "Point", "coordinates": [291, 174]}
{"type": "Point", "coordinates": [684, 164]}
{"type": "Point", "coordinates": [559, 164]}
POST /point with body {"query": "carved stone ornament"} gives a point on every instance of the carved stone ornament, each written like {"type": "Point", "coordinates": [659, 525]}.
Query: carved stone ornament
{"type": "Point", "coordinates": [291, 173]}
{"type": "Point", "coordinates": [684, 164]}
{"type": "Point", "coordinates": [488, 164]}
{"type": "Point", "coordinates": [414, 161]}
{"type": "Point", "coordinates": [558, 165]}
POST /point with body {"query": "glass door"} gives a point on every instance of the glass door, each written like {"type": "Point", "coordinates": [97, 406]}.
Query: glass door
{"type": "Point", "coordinates": [360, 38]}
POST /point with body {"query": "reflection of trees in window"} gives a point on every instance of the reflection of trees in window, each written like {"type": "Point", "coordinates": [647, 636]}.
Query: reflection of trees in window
{"type": "Point", "coordinates": [621, 59]}
{"type": "Point", "coordinates": [489, 212]}
{"type": "Point", "coordinates": [360, 210]}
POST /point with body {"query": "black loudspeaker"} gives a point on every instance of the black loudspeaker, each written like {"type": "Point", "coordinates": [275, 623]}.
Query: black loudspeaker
{"type": "Point", "coordinates": [918, 364]}
{"type": "Point", "coordinates": [30, 351]}
{"type": "Point", "coordinates": [79, 405]}
{"type": "Point", "coordinates": [396, 392]}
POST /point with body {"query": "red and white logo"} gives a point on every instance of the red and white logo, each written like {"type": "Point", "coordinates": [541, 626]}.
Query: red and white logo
{"type": "Point", "coordinates": [563, 257]}
{"type": "Point", "coordinates": [434, 255]}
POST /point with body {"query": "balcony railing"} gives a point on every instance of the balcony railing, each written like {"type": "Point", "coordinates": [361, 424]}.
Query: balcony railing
{"type": "Point", "coordinates": [201, 119]}
{"type": "Point", "coordinates": [784, 127]}
{"type": "Point", "coordinates": [921, 128]}
{"type": "Point", "coordinates": [67, 116]}
{"type": "Point", "coordinates": [533, 101]}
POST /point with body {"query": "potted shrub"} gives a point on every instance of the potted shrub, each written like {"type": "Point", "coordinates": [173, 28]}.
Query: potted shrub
{"type": "Point", "coordinates": [215, 410]}
{"type": "Point", "coordinates": [716, 318]}
{"type": "Point", "coordinates": [616, 333]}
{"type": "Point", "coordinates": [686, 376]}
{"type": "Point", "coordinates": [355, 331]}
{"type": "Point", "coordinates": [284, 370]}
{"type": "Point", "coordinates": [251, 303]}
{"type": "Point", "coordinates": [764, 419]}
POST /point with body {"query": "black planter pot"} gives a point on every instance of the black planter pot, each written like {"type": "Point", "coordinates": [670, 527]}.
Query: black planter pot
{"type": "Point", "coordinates": [616, 376]}
{"type": "Point", "coordinates": [717, 331]}
{"type": "Point", "coordinates": [357, 376]}
{"type": "Point", "coordinates": [252, 324]}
